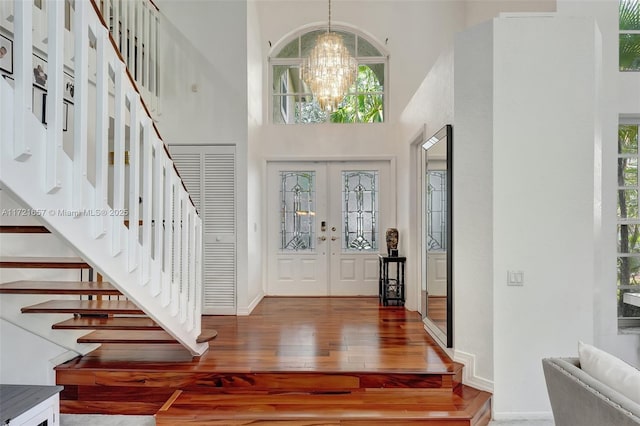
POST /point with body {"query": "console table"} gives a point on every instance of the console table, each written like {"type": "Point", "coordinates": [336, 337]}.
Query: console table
{"type": "Point", "coordinates": [391, 289]}
{"type": "Point", "coordinates": [30, 405]}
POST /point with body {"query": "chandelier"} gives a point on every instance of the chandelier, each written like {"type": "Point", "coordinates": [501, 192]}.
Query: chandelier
{"type": "Point", "coordinates": [329, 70]}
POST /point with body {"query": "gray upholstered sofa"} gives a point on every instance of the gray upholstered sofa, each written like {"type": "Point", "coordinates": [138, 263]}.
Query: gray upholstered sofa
{"type": "Point", "coordinates": [577, 399]}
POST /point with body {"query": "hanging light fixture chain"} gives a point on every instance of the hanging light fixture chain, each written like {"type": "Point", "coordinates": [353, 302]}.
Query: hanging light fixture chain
{"type": "Point", "coordinates": [329, 28]}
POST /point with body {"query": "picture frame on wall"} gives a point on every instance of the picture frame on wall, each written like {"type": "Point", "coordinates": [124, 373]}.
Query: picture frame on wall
{"type": "Point", "coordinates": [6, 54]}
{"type": "Point", "coordinates": [68, 86]}
{"type": "Point", "coordinates": [39, 72]}
{"type": "Point", "coordinates": [65, 116]}
{"type": "Point", "coordinates": [40, 96]}
{"type": "Point", "coordinates": [39, 104]}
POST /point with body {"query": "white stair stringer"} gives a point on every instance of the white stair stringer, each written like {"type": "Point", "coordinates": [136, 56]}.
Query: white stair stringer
{"type": "Point", "coordinates": [164, 302]}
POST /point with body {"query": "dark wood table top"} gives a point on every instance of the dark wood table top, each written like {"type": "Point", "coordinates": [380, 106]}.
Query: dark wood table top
{"type": "Point", "coordinates": [18, 399]}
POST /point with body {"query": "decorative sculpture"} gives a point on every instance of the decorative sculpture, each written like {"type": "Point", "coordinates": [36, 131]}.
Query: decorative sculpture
{"type": "Point", "coordinates": [392, 241]}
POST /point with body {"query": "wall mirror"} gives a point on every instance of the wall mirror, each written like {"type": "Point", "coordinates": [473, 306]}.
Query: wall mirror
{"type": "Point", "coordinates": [437, 236]}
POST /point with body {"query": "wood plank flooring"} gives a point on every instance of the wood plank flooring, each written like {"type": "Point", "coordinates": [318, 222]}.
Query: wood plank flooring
{"type": "Point", "coordinates": [287, 363]}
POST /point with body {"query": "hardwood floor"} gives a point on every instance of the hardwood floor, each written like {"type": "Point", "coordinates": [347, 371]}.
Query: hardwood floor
{"type": "Point", "coordinates": [325, 351]}
{"type": "Point", "coordinates": [437, 309]}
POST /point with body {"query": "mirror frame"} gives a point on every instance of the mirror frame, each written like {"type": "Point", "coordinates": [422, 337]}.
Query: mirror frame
{"type": "Point", "coordinates": [445, 133]}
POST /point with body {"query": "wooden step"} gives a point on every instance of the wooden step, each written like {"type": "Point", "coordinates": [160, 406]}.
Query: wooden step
{"type": "Point", "coordinates": [108, 323]}
{"type": "Point", "coordinates": [182, 375]}
{"type": "Point", "coordinates": [108, 400]}
{"type": "Point", "coordinates": [23, 229]}
{"type": "Point", "coordinates": [84, 307]}
{"type": "Point", "coordinates": [43, 262]}
{"type": "Point", "coordinates": [126, 408]}
{"type": "Point", "coordinates": [59, 287]}
{"type": "Point", "coordinates": [398, 407]}
{"type": "Point", "coordinates": [129, 336]}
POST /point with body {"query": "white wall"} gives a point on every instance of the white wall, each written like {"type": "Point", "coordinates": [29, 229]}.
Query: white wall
{"type": "Point", "coordinates": [204, 94]}
{"type": "Point", "coordinates": [473, 203]}
{"type": "Point", "coordinates": [255, 69]}
{"type": "Point", "coordinates": [478, 11]}
{"type": "Point", "coordinates": [526, 133]}
{"type": "Point", "coordinates": [25, 358]}
{"type": "Point", "coordinates": [547, 85]}
{"type": "Point", "coordinates": [203, 71]}
{"type": "Point", "coordinates": [620, 96]}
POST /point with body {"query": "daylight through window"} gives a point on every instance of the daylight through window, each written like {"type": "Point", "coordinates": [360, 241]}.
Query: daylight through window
{"type": "Point", "coordinates": [293, 101]}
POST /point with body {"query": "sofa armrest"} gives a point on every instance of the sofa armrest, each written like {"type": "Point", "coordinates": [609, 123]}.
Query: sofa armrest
{"type": "Point", "coordinates": [579, 399]}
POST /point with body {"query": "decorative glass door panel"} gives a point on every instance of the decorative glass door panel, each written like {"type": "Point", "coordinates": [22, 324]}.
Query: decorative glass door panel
{"type": "Point", "coordinates": [360, 210]}
{"type": "Point", "coordinates": [297, 214]}
{"type": "Point", "coordinates": [324, 222]}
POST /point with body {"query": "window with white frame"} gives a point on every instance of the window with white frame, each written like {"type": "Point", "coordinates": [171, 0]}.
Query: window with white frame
{"type": "Point", "coordinates": [628, 221]}
{"type": "Point", "coordinates": [629, 45]}
{"type": "Point", "coordinates": [292, 100]}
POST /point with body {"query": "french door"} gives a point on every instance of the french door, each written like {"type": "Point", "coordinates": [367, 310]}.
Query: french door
{"type": "Point", "coordinates": [326, 224]}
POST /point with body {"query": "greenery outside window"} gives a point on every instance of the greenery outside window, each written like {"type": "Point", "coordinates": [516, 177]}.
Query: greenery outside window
{"type": "Point", "coordinates": [628, 222]}
{"type": "Point", "coordinates": [629, 41]}
{"type": "Point", "coordinates": [292, 100]}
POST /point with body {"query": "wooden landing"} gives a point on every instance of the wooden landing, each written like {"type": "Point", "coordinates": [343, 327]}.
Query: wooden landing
{"type": "Point", "coordinates": [396, 407]}
{"type": "Point", "coordinates": [43, 262]}
{"type": "Point", "coordinates": [292, 361]}
{"type": "Point", "coordinates": [59, 287]}
{"type": "Point", "coordinates": [83, 307]}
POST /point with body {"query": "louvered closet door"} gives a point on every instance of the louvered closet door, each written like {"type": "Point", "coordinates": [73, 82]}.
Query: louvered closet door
{"type": "Point", "coordinates": [209, 173]}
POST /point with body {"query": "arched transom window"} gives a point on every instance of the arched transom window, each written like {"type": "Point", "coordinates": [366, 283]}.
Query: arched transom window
{"type": "Point", "coordinates": [292, 100]}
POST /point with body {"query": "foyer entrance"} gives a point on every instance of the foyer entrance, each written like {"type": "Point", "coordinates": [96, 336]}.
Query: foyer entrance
{"type": "Point", "coordinates": [326, 224]}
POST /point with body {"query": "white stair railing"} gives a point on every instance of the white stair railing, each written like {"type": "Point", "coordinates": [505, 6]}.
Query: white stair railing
{"type": "Point", "coordinates": [107, 184]}
{"type": "Point", "coordinates": [134, 25]}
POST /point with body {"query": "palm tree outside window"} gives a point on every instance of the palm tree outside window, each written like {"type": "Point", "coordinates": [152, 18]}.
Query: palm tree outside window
{"type": "Point", "coordinates": [629, 45]}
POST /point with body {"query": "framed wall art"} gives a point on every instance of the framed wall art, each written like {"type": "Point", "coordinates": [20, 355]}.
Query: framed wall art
{"type": "Point", "coordinates": [6, 54]}
{"type": "Point", "coordinates": [39, 72]}
{"type": "Point", "coordinates": [68, 86]}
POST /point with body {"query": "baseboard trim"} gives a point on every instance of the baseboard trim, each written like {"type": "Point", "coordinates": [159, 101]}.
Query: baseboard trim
{"type": "Point", "coordinates": [468, 373]}
{"type": "Point", "coordinates": [247, 311]}
{"type": "Point", "coordinates": [532, 415]}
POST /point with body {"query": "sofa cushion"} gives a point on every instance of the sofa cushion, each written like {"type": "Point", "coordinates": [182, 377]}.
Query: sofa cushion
{"type": "Point", "coordinates": [610, 370]}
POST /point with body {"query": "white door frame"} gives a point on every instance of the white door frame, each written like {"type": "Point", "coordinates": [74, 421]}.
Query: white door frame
{"type": "Point", "coordinates": [393, 195]}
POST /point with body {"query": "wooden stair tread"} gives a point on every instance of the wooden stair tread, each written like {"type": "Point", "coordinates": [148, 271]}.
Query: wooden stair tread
{"type": "Point", "coordinates": [387, 406]}
{"type": "Point", "coordinates": [108, 323]}
{"type": "Point", "coordinates": [58, 287]}
{"type": "Point", "coordinates": [84, 307]}
{"type": "Point", "coordinates": [207, 335]}
{"type": "Point", "coordinates": [23, 229]}
{"type": "Point", "coordinates": [43, 262]}
{"type": "Point", "coordinates": [129, 336]}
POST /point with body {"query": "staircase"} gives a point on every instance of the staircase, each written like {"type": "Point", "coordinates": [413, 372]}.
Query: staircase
{"type": "Point", "coordinates": [107, 187]}
{"type": "Point", "coordinates": [97, 306]}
